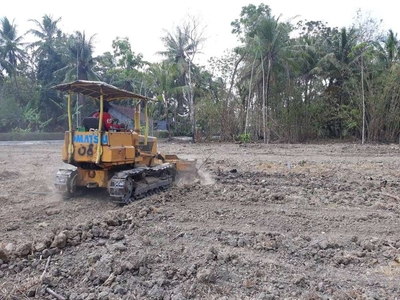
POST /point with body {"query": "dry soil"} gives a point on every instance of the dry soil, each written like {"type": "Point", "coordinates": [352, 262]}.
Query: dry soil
{"type": "Point", "coordinates": [262, 222]}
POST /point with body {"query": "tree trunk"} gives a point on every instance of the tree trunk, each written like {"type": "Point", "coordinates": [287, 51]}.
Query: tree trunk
{"type": "Point", "coordinates": [363, 100]}
{"type": "Point", "coordinates": [192, 114]}
{"type": "Point", "coordinates": [263, 101]}
{"type": "Point", "coordinates": [267, 98]}
{"type": "Point", "coordinates": [248, 100]}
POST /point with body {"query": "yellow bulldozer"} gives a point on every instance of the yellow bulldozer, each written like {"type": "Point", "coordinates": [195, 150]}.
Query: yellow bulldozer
{"type": "Point", "coordinates": [124, 161]}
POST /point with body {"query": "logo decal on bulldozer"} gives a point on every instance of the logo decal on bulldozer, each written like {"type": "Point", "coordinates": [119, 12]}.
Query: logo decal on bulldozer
{"type": "Point", "coordinates": [90, 139]}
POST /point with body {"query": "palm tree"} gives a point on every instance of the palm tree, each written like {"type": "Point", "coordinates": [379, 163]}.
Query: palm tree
{"type": "Point", "coordinates": [47, 53]}
{"type": "Point", "coordinates": [181, 47]}
{"type": "Point", "coordinates": [11, 52]}
{"type": "Point", "coordinates": [77, 55]}
{"type": "Point", "coordinates": [79, 58]}
{"type": "Point", "coordinates": [11, 47]}
{"type": "Point", "coordinates": [382, 94]}
{"type": "Point", "coordinates": [47, 33]}
{"type": "Point", "coordinates": [309, 76]}
{"type": "Point", "coordinates": [338, 65]}
{"type": "Point", "coordinates": [179, 51]}
{"type": "Point", "coordinates": [389, 50]}
{"type": "Point", "coordinates": [266, 41]}
{"type": "Point", "coordinates": [79, 64]}
{"type": "Point", "coordinates": [162, 76]}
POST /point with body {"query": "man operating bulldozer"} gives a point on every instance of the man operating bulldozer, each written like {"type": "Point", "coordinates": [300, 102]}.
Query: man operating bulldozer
{"type": "Point", "coordinates": [107, 118]}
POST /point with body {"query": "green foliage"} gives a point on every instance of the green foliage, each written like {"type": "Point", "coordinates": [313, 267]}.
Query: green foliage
{"type": "Point", "coordinates": [10, 113]}
{"type": "Point", "coordinates": [19, 130]}
{"type": "Point", "coordinates": [162, 134]}
{"type": "Point", "coordinates": [33, 119]}
{"type": "Point", "coordinates": [302, 163]}
{"type": "Point", "coordinates": [11, 51]}
{"type": "Point", "coordinates": [124, 56]}
{"type": "Point", "coordinates": [77, 58]}
{"type": "Point", "coordinates": [250, 16]}
{"type": "Point", "coordinates": [181, 126]}
{"type": "Point", "coordinates": [292, 87]}
{"type": "Point", "coordinates": [209, 116]}
{"type": "Point", "coordinates": [245, 137]}
{"type": "Point", "coordinates": [14, 101]}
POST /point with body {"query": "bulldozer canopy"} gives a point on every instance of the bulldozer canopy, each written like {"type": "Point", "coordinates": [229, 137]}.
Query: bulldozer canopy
{"type": "Point", "coordinates": [95, 89]}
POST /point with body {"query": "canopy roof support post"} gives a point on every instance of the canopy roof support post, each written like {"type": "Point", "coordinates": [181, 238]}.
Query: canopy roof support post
{"type": "Point", "coordinates": [146, 130]}
{"type": "Point", "coordinates": [137, 118]}
{"type": "Point", "coordinates": [99, 143]}
{"type": "Point", "coordinates": [70, 144]}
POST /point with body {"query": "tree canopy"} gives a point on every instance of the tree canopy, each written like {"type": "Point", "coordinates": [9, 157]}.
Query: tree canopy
{"type": "Point", "coordinates": [283, 82]}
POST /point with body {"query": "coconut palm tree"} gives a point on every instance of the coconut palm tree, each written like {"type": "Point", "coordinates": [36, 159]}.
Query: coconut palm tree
{"type": "Point", "coordinates": [382, 92]}
{"type": "Point", "coordinates": [388, 50]}
{"type": "Point", "coordinates": [79, 58]}
{"type": "Point", "coordinates": [79, 65]}
{"type": "Point", "coordinates": [47, 33]}
{"type": "Point", "coordinates": [181, 47]}
{"type": "Point", "coordinates": [47, 54]}
{"type": "Point", "coordinates": [266, 44]}
{"type": "Point", "coordinates": [339, 66]}
{"type": "Point", "coordinates": [161, 77]}
{"type": "Point", "coordinates": [12, 52]}
{"type": "Point", "coordinates": [180, 50]}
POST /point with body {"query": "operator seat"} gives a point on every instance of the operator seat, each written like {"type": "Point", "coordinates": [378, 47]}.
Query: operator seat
{"type": "Point", "coordinates": [91, 123]}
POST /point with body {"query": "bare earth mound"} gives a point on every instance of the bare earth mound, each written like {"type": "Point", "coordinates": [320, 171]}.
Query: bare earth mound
{"type": "Point", "coordinates": [264, 222]}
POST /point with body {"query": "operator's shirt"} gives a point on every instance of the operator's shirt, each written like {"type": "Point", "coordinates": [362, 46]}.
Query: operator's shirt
{"type": "Point", "coordinates": [107, 121]}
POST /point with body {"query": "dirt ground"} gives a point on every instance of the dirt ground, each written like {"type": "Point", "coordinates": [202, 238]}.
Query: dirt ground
{"type": "Point", "coordinates": [263, 222]}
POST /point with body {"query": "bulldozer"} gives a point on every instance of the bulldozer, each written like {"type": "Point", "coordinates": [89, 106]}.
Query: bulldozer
{"type": "Point", "coordinates": [124, 161]}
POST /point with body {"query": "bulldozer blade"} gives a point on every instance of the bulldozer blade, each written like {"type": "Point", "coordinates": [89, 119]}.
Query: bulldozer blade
{"type": "Point", "coordinates": [181, 164]}
{"type": "Point", "coordinates": [185, 168]}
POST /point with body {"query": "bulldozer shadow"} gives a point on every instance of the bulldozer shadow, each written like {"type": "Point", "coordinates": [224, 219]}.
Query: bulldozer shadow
{"type": "Point", "coordinates": [84, 193]}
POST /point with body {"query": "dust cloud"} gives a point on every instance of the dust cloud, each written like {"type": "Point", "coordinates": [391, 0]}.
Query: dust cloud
{"type": "Point", "coordinates": [196, 176]}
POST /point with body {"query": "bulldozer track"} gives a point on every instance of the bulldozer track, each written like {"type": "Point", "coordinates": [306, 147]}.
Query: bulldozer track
{"type": "Point", "coordinates": [127, 186]}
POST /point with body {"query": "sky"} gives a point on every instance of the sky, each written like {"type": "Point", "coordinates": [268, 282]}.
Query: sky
{"type": "Point", "coordinates": [145, 22]}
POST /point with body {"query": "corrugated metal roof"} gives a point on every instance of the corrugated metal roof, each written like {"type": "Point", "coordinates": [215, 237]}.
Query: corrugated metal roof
{"type": "Point", "coordinates": [128, 112]}
{"type": "Point", "coordinates": [94, 89]}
